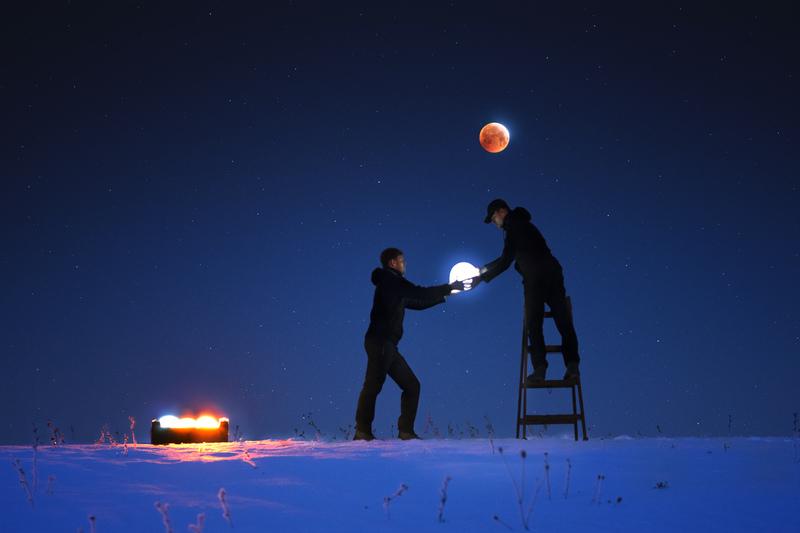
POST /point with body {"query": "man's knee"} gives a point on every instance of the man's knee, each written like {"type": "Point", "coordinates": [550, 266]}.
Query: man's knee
{"type": "Point", "coordinates": [373, 385]}
{"type": "Point", "coordinates": [413, 387]}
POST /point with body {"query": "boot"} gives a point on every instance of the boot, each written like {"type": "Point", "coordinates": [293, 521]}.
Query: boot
{"type": "Point", "coordinates": [363, 435]}
{"type": "Point", "coordinates": [572, 371]}
{"type": "Point", "coordinates": [537, 377]}
{"type": "Point", "coordinates": [408, 435]}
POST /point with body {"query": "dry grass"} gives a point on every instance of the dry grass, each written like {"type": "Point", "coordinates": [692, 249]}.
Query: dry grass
{"type": "Point", "coordinates": [223, 501]}
{"type": "Point", "coordinates": [163, 509]}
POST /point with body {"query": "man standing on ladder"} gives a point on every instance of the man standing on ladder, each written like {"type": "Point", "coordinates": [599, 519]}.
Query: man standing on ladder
{"type": "Point", "coordinates": [543, 282]}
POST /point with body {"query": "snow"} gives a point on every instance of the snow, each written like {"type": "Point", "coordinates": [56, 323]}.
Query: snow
{"type": "Point", "coordinates": [713, 484]}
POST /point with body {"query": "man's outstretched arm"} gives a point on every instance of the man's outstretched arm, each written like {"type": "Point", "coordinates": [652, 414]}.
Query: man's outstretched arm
{"type": "Point", "coordinates": [419, 298]}
{"type": "Point", "coordinates": [498, 266]}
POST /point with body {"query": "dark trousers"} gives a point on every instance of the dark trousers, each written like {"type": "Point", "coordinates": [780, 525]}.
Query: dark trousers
{"type": "Point", "coordinates": [382, 359]}
{"type": "Point", "coordinates": [546, 286]}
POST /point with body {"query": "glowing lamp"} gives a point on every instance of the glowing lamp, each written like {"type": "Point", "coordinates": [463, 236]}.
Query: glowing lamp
{"type": "Point", "coordinates": [170, 429]}
{"type": "Point", "coordinates": [462, 272]}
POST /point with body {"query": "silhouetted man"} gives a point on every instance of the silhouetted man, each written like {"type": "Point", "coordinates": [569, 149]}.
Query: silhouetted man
{"type": "Point", "coordinates": [393, 295]}
{"type": "Point", "coordinates": [543, 281]}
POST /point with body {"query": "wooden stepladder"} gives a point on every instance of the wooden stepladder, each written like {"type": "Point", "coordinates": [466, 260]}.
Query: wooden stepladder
{"type": "Point", "coordinates": [523, 418]}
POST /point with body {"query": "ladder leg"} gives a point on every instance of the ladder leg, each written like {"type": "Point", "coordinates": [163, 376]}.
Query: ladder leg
{"type": "Point", "coordinates": [574, 411]}
{"type": "Point", "coordinates": [583, 412]}
{"type": "Point", "coordinates": [522, 392]}
{"type": "Point", "coordinates": [525, 411]}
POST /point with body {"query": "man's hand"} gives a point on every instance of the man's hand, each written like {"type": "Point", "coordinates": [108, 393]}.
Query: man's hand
{"type": "Point", "coordinates": [457, 286]}
{"type": "Point", "coordinates": [471, 283]}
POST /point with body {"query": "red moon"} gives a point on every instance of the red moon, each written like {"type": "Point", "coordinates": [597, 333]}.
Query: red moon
{"type": "Point", "coordinates": [494, 137]}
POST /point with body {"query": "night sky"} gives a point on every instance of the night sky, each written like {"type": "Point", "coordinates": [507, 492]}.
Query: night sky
{"type": "Point", "coordinates": [194, 195]}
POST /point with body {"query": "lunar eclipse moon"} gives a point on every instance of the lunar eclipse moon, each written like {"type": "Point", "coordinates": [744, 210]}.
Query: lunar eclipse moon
{"type": "Point", "coordinates": [494, 137]}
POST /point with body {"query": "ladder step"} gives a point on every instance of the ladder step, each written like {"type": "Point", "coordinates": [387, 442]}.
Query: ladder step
{"type": "Point", "coordinates": [554, 384]}
{"type": "Point", "coordinates": [547, 420]}
{"type": "Point", "coordinates": [550, 348]}
{"type": "Point", "coordinates": [548, 314]}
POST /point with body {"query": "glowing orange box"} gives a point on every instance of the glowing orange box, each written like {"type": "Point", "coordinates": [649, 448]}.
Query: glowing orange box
{"type": "Point", "coordinates": [174, 430]}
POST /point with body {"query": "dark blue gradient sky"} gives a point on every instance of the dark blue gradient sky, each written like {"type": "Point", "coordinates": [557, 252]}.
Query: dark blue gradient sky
{"type": "Point", "coordinates": [193, 197]}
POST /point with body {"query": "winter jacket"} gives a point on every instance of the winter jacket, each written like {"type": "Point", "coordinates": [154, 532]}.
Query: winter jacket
{"type": "Point", "coordinates": [393, 295]}
{"type": "Point", "coordinates": [523, 244]}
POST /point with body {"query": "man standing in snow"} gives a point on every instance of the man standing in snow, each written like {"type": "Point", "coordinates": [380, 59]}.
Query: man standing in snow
{"type": "Point", "coordinates": [393, 295]}
{"type": "Point", "coordinates": [543, 282]}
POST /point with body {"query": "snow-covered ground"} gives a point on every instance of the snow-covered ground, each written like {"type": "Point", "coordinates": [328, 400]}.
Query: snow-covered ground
{"type": "Point", "coordinates": [621, 484]}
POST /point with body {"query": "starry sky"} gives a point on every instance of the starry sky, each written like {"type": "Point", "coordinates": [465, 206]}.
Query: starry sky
{"type": "Point", "coordinates": [193, 196]}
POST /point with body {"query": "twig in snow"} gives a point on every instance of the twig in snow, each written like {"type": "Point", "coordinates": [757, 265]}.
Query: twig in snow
{"type": "Point", "coordinates": [92, 523]}
{"type": "Point", "coordinates": [105, 435]}
{"type": "Point", "coordinates": [198, 526]}
{"type": "Point", "coordinates": [508, 469]}
{"type": "Point", "coordinates": [566, 485]}
{"type": "Point", "coordinates": [23, 481]}
{"type": "Point", "coordinates": [56, 437]}
{"type": "Point", "coordinates": [387, 500]}
{"type": "Point", "coordinates": [246, 457]}
{"type": "Point", "coordinates": [443, 497]}
{"type": "Point", "coordinates": [35, 468]}
{"type": "Point", "coordinates": [490, 431]}
{"type": "Point", "coordinates": [51, 479]}
{"type": "Point", "coordinates": [346, 431]}
{"type": "Point", "coordinates": [514, 482]}
{"type": "Point", "coordinates": [520, 489]}
{"type": "Point", "coordinates": [163, 509]}
{"type": "Point", "coordinates": [428, 424]}
{"type": "Point", "coordinates": [431, 425]}
{"type": "Point", "coordinates": [226, 511]}
{"type": "Point", "coordinates": [523, 455]}
{"type": "Point", "coordinates": [598, 488]}
{"type": "Point", "coordinates": [533, 502]}
{"type": "Point", "coordinates": [547, 475]}
{"type": "Point", "coordinates": [133, 426]}
{"type": "Point", "coordinates": [309, 417]}
{"type": "Point", "coordinates": [497, 519]}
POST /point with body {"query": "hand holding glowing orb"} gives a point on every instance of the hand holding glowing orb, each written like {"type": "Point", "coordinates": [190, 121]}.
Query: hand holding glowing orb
{"type": "Point", "coordinates": [462, 272]}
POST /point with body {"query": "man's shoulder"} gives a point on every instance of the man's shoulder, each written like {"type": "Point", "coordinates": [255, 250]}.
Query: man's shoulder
{"type": "Point", "coordinates": [391, 283]}
{"type": "Point", "coordinates": [520, 215]}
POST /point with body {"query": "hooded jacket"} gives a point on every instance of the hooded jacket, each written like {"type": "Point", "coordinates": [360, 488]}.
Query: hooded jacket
{"type": "Point", "coordinates": [393, 295]}
{"type": "Point", "coordinates": [523, 244]}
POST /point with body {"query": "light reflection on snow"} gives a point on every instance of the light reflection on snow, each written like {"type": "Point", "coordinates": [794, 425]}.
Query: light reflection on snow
{"type": "Point", "coordinates": [309, 485]}
{"type": "Point", "coordinates": [259, 451]}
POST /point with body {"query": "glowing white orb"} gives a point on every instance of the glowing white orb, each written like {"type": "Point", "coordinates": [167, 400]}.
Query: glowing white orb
{"type": "Point", "coordinates": [463, 271]}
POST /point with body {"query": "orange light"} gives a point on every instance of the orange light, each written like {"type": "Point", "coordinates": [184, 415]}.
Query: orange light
{"type": "Point", "coordinates": [205, 422]}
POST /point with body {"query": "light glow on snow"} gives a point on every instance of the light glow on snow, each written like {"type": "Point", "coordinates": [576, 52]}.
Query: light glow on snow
{"type": "Point", "coordinates": [651, 484]}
